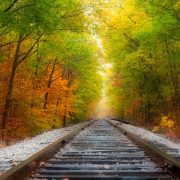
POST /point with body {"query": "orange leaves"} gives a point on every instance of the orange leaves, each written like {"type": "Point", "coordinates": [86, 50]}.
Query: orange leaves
{"type": "Point", "coordinates": [39, 113]}
{"type": "Point", "coordinates": [26, 114]}
{"type": "Point", "coordinates": [16, 129]}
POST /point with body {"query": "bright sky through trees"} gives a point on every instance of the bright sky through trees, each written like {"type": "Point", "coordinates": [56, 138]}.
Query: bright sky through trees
{"type": "Point", "coordinates": [103, 110]}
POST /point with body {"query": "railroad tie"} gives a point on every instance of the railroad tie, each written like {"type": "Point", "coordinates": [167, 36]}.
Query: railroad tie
{"type": "Point", "coordinates": [100, 151]}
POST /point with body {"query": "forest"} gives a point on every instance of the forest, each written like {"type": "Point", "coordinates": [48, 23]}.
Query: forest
{"type": "Point", "coordinates": [65, 62]}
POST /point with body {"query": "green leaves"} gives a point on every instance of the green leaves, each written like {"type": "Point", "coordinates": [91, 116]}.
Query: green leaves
{"type": "Point", "coordinates": [142, 42]}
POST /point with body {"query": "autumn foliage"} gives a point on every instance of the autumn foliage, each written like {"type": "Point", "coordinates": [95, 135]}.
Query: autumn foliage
{"type": "Point", "coordinates": [45, 59]}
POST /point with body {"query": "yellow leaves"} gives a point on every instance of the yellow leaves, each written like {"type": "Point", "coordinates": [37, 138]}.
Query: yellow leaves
{"type": "Point", "coordinates": [129, 19]}
{"type": "Point", "coordinates": [167, 123]}
{"type": "Point", "coordinates": [177, 6]}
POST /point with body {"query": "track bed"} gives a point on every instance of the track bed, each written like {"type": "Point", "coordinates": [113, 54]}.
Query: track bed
{"type": "Point", "coordinates": [100, 151]}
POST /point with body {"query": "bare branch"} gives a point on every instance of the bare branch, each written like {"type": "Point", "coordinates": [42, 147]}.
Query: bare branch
{"type": "Point", "coordinates": [12, 42]}
{"type": "Point", "coordinates": [30, 50]}
{"type": "Point", "coordinates": [56, 78]}
{"type": "Point", "coordinates": [21, 7]}
{"type": "Point", "coordinates": [132, 41]}
{"type": "Point", "coordinates": [11, 5]}
{"type": "Point", "coordinates": [6, 44]}
{"type": "Point", "coordinates": [136, 43]}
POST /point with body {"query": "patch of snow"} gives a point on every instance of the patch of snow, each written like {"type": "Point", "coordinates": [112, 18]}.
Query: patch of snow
{"type": "Point", "coordinates": [150, 136]}
{"type": "Point", "coordinates": [20, 151]}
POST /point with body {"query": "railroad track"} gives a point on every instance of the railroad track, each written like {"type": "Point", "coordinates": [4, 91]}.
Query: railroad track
{"type": "Point", "coordinates": [101, 151]}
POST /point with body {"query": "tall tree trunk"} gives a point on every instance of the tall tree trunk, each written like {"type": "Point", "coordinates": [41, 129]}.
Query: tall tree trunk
{"type": "Point", "coordinates": [49, 85]}
{"type": "Point", "coordinates": [65, 111]}
{"type": "Point", "coordinates": [57, 105]}
{"type": "Point", "coordinates": [10, 86]}
{"type": "Point", "coordinates": [64, 117]}
{"type": "Point", "coordinates": [71, 116]}
{"type": "Point", "coordinates": [56, 111]}
{"type": "Point", "coordinates": [35, 75]}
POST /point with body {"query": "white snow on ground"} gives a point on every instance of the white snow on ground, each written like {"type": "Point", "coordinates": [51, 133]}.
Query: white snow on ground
{"type": "Point", "coordinates": [150, 136]}
{"type": "Point", "coordinates": [12, 155]}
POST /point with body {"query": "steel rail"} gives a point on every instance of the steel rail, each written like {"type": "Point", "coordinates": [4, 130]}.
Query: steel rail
{"type": "Point", "coordinates": [100, 152]}
{"type": "Point", "coordinates": [170, 164]}
{"type": "Point", "coordinates": [23, 169]}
